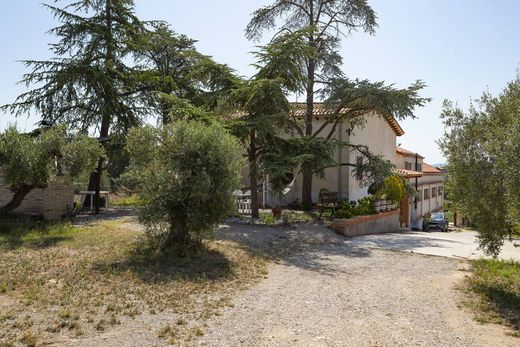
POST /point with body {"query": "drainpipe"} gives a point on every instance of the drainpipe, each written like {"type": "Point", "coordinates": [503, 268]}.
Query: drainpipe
{"type": "Point", "coordinates": [340, 160]}
{"type": "Point", "coordinates": [416, 179]}
{"type": "Point", "coordinates": [347, 191]}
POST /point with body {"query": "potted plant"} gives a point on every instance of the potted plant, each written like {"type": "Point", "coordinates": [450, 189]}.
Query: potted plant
{"type": "Point", "coordinates": [377, 205]}
{"type": "Point", "coordinates": [277, 212]}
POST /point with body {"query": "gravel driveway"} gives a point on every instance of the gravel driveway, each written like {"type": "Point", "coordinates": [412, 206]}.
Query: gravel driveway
{"type": "Point", "coordinates": [453, 244]}
{"type": "Point", "coordinates": [328, 291]}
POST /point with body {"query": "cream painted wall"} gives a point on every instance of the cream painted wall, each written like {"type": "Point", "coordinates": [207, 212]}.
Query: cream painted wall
{"type": "Point", "coordinates": [380, 138]}
{"type": "Point", "coordinates": [376, 134]}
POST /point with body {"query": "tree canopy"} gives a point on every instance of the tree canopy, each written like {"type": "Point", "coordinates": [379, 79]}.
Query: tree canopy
{"type": "Point", "coordinates": [186, 172]}
{"type": "Point", "coordinates": [318, 27]}
{"type": "Point", "coordinates": [482, 146]}
{"type": "Point", "coordinates": [30, 161]}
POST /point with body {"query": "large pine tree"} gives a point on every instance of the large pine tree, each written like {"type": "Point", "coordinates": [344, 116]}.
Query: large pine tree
{"type": "Point", "coordinates": [88, 84]}
{"type": "Point", "coordinates": [321, 24]}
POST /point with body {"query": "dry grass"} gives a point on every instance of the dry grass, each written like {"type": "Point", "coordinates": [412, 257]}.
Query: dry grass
{"type": "Point", "coordinates": [62, 282]}
{"type": "Point", "coordinates": [493, 293]}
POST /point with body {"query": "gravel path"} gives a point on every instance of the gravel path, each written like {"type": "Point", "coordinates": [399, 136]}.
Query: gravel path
{"type": "Point", "coordinates": [325, 291]}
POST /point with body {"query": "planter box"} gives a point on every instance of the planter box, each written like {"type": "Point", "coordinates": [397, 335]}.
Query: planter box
{"type": "Point", "coordinates": [379, 223]}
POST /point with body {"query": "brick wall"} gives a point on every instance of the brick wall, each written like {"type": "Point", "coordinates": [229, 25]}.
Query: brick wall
{"type": "Point", "coordinates": [50, 203]}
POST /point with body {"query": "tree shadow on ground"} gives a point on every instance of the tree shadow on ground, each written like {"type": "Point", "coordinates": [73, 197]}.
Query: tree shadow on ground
{"type": "Point", "coordinates": [29, 233]}
{"type": "Point", "coordinates": [401, 241]}
{"type": "Point", "coordinates": [307, 246]}
{"type": "Point", "coordinates": [152, 266]}
{"type": "Point", "coordinates": [506, 304]}
{"type": "Point", "coordinates": [105, 215]}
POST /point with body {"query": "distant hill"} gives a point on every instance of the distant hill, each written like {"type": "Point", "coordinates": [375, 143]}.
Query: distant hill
{"type": "Point", "coordinates": [440, 165]}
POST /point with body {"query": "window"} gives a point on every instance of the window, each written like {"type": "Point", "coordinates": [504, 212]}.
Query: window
{"type": "Point", "coordinates": [426, 194]}
{"type": "Point", "coordinates": [434, 192]}
{"type": "Point", "coordinates": [439, 190]}
{"type": "Point", "coordinates": [419, 195]}
{"type": "Point", "coordinates": [407, 165]}
{"type": "Point", "coordinates": [418, 167]}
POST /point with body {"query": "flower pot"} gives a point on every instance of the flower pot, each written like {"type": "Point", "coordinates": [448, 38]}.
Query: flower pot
{"type": "Point", "coordinates": [377, 206]}
{"type": "Point", "coordinates": [277, 212]}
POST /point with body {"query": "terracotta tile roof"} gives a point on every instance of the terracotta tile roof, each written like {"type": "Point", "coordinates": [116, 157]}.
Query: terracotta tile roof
{"type": "Point", "coordinates": [404, 152]}
{"type": "Point", "coordinates": [408, 173]}
{"type": "Point", "coordinates": [320, 110]}
{"type": "Point", "coordinates": [428, 169]}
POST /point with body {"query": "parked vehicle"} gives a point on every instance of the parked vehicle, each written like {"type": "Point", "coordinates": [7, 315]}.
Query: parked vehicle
{"type": "Point", "coordinates": [436, 221]}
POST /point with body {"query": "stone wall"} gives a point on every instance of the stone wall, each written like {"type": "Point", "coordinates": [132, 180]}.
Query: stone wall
{"type": "Point", "coordinates": [50, 203]}
{"type": "Point", "coordinates": [386, 222]}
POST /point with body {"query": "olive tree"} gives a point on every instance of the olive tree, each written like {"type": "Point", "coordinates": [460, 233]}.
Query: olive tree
{"type": "Point", "coordinates": [186, 173]}
{"type": "Point", "coordinates": [482, 146]}
{"type": "Point", "coordinates": [30, 161]}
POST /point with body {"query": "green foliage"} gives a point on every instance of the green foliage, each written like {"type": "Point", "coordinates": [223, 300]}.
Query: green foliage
{"type": "Point", "coordinates": [311, 32]}
{"type": "Point", "coordinates": [31, 161]}
{"type": "Point", "coordinates": [15, 233]}
{"type": "Point", "coordinates": [178, 75]}
{"type": "Point", "coordinates": [497, 284]}
{"type": "Point", "coordinates": [186, 174]}
{"type": "Point", "coordinates": [349, 209]}
{"type": "Point", "coordinates": [482, 146]}
{"type": "Point", "coordinates": [87, 83]}
{"type": "Point", "coordinates": [324, 24]}
{"type": "Point", "coordinates": [392, 188]}
{"type": "Point", "coordinates": [126, 201]}
{"type": "Point", "coordinates": [267, 218]}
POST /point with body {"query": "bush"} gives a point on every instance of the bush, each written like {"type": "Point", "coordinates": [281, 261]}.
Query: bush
{"type": "Point", "coordinates": [393, 188]}
{"type": "Point", "coordinates": [348, 209]}
{"type": "Point", "coordinates": [186, 173]}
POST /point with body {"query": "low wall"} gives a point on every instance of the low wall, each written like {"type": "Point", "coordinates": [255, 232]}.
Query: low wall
{"type": "Point", "coordinates": [385, 222]}
{"type": "Point", "coordinates": [50, 203]}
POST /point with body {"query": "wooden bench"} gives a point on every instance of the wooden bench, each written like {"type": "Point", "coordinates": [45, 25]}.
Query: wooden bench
{"type": "Point", "coordinates": [328, 201]}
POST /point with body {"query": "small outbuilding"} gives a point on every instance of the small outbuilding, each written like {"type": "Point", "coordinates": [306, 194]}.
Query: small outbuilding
{"type": "Point", "coordinates": [50, 203]}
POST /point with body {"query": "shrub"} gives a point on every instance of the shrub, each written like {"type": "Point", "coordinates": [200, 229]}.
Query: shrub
{"type": "Point", "coordinates": [186, 172]}
{"type": "Point", "coordinates": [393, 188]}
{"type": "Point", "coordinates": [348, 209]}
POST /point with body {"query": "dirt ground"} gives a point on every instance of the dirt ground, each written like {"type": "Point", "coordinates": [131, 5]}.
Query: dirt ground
{"type": "Point", "coordinates": [321, 289]}
{"type": "Point", "coordinates": [327, 291]}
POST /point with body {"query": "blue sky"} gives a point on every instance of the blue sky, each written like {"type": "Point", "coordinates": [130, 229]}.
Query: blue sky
{"type": "Point", "coordinates": [459, 48]}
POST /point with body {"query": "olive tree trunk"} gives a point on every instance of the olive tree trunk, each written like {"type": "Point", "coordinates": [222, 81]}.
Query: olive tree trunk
{"type": "Point", "coordinates": [17, 199]}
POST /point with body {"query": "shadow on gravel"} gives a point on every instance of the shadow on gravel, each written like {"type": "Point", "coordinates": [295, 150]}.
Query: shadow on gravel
{"type": "Point", "coordinates": [403, 241]}
{"type": "Point", "coordinates": [105, 215]}
{"type": "Point", "coordinates": [307, 246]}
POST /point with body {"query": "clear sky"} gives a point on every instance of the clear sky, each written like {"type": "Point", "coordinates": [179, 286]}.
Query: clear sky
{"type": "Point", "coordinates": [459, 48]}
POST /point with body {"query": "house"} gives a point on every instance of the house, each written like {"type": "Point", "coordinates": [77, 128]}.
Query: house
{"type": "Point", "coordinates": [427, 180]}
{"type": "Point", "coordinates": [379, 133]}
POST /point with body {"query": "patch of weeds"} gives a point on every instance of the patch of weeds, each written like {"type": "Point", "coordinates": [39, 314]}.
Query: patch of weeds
{"type": "Point", "coordinates": [196, 332]}
{"type": "Point", "coordinates": [29, 339]}
{"type": "Point", "coordinates": [168, 332]}
{"type": "Point", "coordinates": [267, 219]}
{"type": "Point", "coordinates": [3, 287]}
{"type": "Point", "coordinates": [494, 293]}
{"type": "Point", "coordinates": [125, 200]}
{"type": "Point", "coordinates": [103, 270]}
{"type": "Point", "coordinates": [101, 325]}
{"type": "Point", "coordinates": [64, 314]}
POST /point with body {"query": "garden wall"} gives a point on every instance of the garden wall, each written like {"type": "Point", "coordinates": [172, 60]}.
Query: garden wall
{"type": "Point", "coordinates": [50, 203]}
{"type": "Point", "coordinates": [385, 222]}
